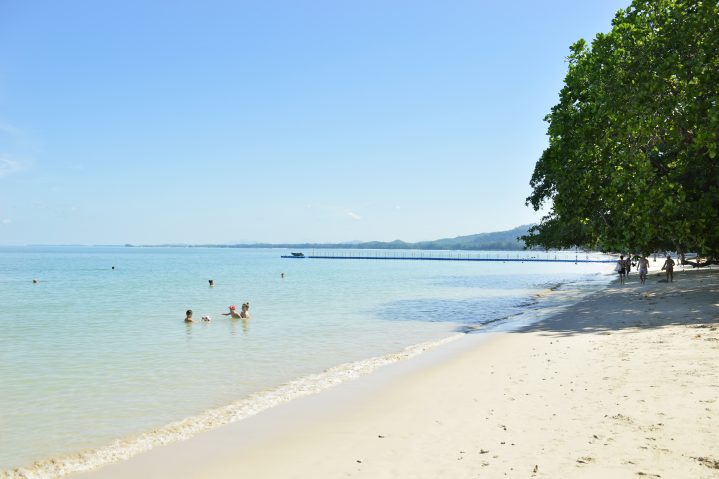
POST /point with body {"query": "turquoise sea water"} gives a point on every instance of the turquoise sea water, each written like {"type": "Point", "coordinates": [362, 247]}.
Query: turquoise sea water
{"type": "Point", "coordinates": [90, 355]}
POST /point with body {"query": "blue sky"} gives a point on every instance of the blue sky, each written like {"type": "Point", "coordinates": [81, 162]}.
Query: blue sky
{"type": "Point", "coordinates": [281, 121]}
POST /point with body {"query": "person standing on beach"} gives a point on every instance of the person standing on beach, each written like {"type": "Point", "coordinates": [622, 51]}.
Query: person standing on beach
{"type": "Point", "coordinates": [620, 268]}
{"type": "Point", "coordinates": [643, 268]}
{"type": "Point", "coordinates": [669, 267]}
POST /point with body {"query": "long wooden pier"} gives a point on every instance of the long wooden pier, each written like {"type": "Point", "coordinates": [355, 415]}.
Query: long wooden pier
{"type": "Point", "coordinates": [429, 256]}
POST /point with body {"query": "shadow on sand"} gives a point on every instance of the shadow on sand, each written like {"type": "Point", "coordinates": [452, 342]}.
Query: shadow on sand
{"type": "Point", "coordinates": [692, 299]}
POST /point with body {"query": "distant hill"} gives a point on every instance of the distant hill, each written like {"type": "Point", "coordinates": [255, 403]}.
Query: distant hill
{"type": "Point", "coordinates": [499, 240]}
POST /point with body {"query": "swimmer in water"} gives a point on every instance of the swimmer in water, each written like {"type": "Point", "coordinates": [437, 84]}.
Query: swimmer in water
{"type": "Point", "coordinates": [212, 282]}
{"type": "Point", "coordinates": [233, 312]}
{"type": "Point", "coordinates": [188, 316]}
{"type": "Point", "coordinates": [245, 313]}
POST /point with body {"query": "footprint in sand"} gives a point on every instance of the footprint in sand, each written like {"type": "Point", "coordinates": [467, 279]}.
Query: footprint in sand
{"type": "Point", "coordinates": [620, 417]}
{"type": "Point", "coordinates": [585, 460]}
{"type": "Point", "coordinates": [708, 462]}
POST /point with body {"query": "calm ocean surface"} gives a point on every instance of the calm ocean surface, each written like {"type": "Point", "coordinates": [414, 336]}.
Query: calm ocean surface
{"type": "Point", "coordinates": [91, 355]}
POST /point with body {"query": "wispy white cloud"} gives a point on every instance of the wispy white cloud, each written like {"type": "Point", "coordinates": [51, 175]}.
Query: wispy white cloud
{"type": "Point", "coordinates": [15, 149]}
{"type": "Point", "coordinates": [8, 166]}
{"type": "Point", "coordinates": [333, 211]}
{"type": "Point", "coordinates": [10, 130]}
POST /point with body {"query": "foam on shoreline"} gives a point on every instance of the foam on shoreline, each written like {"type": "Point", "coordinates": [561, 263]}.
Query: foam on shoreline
{"type": "Point", "coordinates": [123, 449]}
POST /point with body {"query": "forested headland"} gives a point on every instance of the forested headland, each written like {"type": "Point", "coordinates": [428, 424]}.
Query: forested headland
{"type": "Point", "coordinates": [509, 240]}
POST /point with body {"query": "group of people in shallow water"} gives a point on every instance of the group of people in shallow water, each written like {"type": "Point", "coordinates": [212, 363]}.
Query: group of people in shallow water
{"type": "Point", "coordinates": [244, 313]}
{"type": "Point", "coordinates": [624, 266]}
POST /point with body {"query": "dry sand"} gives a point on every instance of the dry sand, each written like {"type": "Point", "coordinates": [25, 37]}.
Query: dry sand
{"type": "Point", "coordinates": [624, 384]}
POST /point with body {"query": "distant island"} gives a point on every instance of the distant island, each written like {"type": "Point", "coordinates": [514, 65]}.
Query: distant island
{"type": "Point", "coordinates": [499, 240]}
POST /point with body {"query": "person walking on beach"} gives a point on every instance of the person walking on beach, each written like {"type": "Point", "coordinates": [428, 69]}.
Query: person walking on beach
{"type": "Point", "coordinates": [628, 265]}
{"type": "Point", "coordinates": [643, 268]}
{"type": "Point", "coordinates": [620, 268]}
{"type": "Point", "coordinates": [669, 268]}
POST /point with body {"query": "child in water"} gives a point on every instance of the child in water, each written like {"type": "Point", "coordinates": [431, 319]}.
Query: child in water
{"type": "Point", "coordinates": [233, 312]}
{"type": "Point", "coordinates": [188, 316]}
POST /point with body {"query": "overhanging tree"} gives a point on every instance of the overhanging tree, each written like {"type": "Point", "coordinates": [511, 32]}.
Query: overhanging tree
{"type": "Point", "coordinates": [633, 160]}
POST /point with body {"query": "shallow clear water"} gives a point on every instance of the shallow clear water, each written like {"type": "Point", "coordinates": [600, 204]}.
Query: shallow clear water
{"type": "Point", "coordinates": [90, 354]}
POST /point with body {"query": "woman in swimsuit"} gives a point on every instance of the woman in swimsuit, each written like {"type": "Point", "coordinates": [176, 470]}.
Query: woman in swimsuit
{"type": "Point", "coordinates": [643, 268]}
{"type": "Point", "coordinates": [669, 267]}
{"type": "Point", "coordinates": [620, 269]}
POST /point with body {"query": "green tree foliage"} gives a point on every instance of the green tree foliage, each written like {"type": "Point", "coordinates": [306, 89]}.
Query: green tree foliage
{"type": "Point", "coordinates": [632, 162]}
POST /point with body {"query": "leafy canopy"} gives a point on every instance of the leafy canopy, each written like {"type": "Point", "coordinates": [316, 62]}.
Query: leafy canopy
{"type": "Point", "coordinates": [633, 160]}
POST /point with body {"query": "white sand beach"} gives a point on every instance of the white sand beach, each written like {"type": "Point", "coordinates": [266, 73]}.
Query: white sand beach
{"type": "Point", "coordinates": [623, 384]}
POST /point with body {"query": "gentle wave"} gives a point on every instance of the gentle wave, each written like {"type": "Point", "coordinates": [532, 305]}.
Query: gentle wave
{"type": "Point", "coordinates": [124, 449]}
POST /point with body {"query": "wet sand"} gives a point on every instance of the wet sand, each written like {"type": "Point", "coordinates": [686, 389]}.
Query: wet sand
{"type": "Point", "coordinates": [623, 384]}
